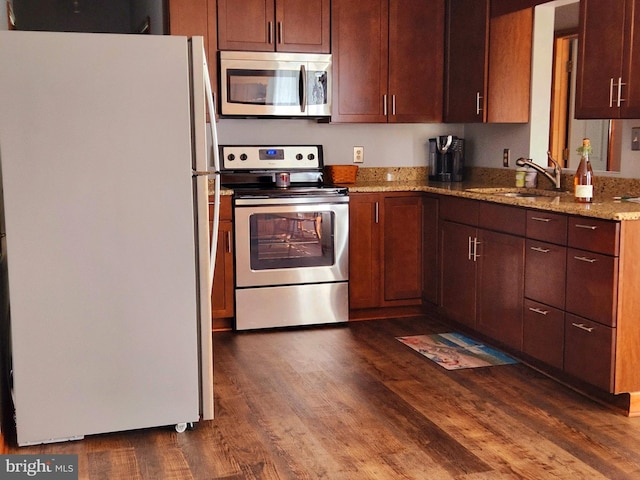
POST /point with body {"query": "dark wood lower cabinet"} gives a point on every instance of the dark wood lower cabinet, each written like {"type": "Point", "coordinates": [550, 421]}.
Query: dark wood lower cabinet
{"type": "Point", "coordinates": [500, 285]}
{"type": "Point", "coordinates": [385, 250]}
{"type": "Point", "coordinates": [458, 272]}
{"type": "Point", "coordinates": [543, 333]}
{"type": "Point", "coordinates": [589, 351]}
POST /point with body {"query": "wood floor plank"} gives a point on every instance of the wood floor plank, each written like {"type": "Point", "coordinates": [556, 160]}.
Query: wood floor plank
{"type": "Point", "coordinates": [350, 402]}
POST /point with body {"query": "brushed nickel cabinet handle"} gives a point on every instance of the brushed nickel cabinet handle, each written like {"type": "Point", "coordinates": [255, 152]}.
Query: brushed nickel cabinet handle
{"type": "Point", "coordinates": [540, 249]}
{"type": "Point", "coordinates": [541, 219]}
{"type": "Point", "coordinates": [384, 104]}
{"type": "Point", "coordinates": [538, 310]}
{"type": "Point", "coordinates": [280, 33]}
{"type": "Point", "coordinates": [393, 104]}
{"type": "Point", "coordinates": [270, 32]}
{"type": "Point", "coordinates": [586, 259]}
{"type": "Point", "coordinates": [611, 85]}
{"type": "Point", "coordinates": [377, 212]}
{"type": "Point", "coordinates": [620, 85]}
{"type": "Point", "coordinates": [478, 103]}
{"type": "Point", "coordinates": [582, 326]}
{"type": "Point", "coordinates": [586, 227]}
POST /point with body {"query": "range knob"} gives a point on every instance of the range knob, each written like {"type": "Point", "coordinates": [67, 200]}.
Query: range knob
{"type": "Point", "coordinates": [231, 157]}
{"type": "Point", "coordinates": [311, 156]}
{"type": "Point", "coordinates": [299, 156]}
{"type": "Point", "coordinates": [243, 156]}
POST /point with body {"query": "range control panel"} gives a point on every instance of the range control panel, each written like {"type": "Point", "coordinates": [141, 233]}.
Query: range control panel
{"type": "Point", "coordinates": [269, 158]}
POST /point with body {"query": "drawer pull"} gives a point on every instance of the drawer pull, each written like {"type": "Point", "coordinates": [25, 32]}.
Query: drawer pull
{"type": "Point", "coordinates": [540, 249]}
{"type": "Point", "coordinates": [586, 259]}
{"type": "Point", "coordinates": [541, 219]}
{"type": "Point", "coordinates": [587, 227]}
{"type": "Point", "coordinates": [582, 326]}
{"type": "Point", "coordinates": [538, 310]}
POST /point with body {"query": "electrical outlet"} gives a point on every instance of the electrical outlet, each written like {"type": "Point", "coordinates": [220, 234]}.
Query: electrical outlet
{"type": "Point", "coordinates": [358, 154]}
{"type": "Point", "coordinates": [506, 155]}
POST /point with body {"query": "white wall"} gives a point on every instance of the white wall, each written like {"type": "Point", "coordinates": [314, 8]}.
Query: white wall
{"type": "Point", "coordinates": [384, 144]}
{"type": "Point", "coordinates": [3, 17]}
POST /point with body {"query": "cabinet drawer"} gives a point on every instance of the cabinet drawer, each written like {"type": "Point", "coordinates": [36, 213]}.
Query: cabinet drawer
{"type": "Point", "coordinates": [589, 351]}
{"type": "Point", "coordinates": [543, 333]}
{"type": "Point", "coordinates": [600, 236]}
{"type": "Point", "coordinates": [544, 272]}
{"type": "Point", "coordinates": [548, 227]}
{"type": "Point", "coordinates": [459, 210]}
{"type": "Point", "coordinates": [502, 218]}
{"type": "Point", "coordinates": [592, 286]}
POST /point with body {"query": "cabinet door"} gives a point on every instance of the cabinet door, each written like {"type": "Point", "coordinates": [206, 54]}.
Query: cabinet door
{"type": "Point", "coordinates": [222, 294]}
{"type": "Point", "coordinates": [545, 268]}
{"type": "Point", "coordinates": [543, 333]}
{"type": "Point", "coordinates": [458, 272]}
{"type": "Point", "coordinates": [364, 250]}
{"type": "Point", "coordinates": [630, 108]}
{"type": "Point", "coordinates": [592, 286]}
{"type": "Point", "coordinates": [416, 60]}
{"type": "Point", "coordinates": [600, 50]}
{"type": "Point", "coordinates": [466, 65]}
{"type": "Point", "coordinates": [500, 287]}
{"type": "Point", "coordinates": [246, 25]}
{"type": "Point", "coordinates": [589, 351]}
{"type": "Point", "coordinates": [510, 42]}
{"type": "Point", "coordinates": [430, 257]}
{"type": "Point", "coordinates": [303, 26]}
{"type": "Point", "coordinates": [402, 238]}
{"type": "Point", "coordinates": [360, 48]}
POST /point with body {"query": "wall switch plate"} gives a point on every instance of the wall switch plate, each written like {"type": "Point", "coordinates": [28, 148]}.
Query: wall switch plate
{"type": "Point", "coordinates": [635, 138]}
{"type": "Point", "coordinates": [506, 154]}
{"type": "Point", "coordinates": [358, 154]}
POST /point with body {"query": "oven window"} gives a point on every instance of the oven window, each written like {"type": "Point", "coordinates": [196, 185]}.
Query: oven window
{"type": "Point", "coordinates": [291, 240]}
{"type": "Point", "coordinates": [264, 87]}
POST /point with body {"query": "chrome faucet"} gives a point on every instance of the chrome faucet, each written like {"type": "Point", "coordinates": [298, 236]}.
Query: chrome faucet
{"type": "Point", "coordinates": [557, 170]}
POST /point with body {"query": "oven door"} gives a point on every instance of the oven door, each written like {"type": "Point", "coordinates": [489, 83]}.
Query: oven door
{"type": "Point", "coordinates": [291, 244]}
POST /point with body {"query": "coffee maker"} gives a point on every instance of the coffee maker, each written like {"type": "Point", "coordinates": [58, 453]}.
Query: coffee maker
{"type": "Point", "coordinates": [446, 158]}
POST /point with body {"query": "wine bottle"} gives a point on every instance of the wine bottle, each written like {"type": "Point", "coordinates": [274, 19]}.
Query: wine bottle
{"type": "Point", "coordinates": [583, 179]}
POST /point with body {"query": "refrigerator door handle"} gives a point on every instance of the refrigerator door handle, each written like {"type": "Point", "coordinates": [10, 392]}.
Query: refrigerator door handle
{"type": "Point", "coordinates": [216, 168]}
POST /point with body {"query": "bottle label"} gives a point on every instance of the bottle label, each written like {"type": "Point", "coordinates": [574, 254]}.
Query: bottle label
{"type": "Point", "coordinates": [584, 191]}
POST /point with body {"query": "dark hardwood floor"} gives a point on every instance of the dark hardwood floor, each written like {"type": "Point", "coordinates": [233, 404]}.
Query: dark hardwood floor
{"type": "Point", "coordinates": [351, 402]}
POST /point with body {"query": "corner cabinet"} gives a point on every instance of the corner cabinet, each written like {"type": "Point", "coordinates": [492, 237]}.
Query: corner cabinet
{"type": "Point", "coordinates": [482, 269]}
{"type": "Point", "coordinates": [608, 76]}
{"type": "Point", "coordinates": [385, 250]}
{"type": "Point", "coordinates": [488, 63]}
{"type": "Point", "coordinates": [388, 60]}
{"type": "Point", "coordinates": [274, 25]}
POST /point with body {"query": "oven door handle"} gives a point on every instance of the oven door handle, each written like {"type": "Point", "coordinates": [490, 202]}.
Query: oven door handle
{"type": "Point", "coordinates": [303, 90]}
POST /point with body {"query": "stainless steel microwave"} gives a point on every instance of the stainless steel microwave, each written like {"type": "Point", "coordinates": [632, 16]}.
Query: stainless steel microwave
{"type": "Point", "coordinates": [270, 84]}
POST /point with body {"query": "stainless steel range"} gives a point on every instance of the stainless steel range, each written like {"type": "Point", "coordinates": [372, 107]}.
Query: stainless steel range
{"type": "Point", "coordinates": [291, 237]}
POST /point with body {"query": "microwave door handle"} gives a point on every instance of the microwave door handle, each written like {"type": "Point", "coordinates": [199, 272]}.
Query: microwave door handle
{"type": "Point", "coordinates": [303, 99]}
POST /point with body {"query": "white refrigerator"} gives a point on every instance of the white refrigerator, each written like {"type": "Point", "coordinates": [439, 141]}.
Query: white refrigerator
{"type": "Point", "coordinates": [105, 163]}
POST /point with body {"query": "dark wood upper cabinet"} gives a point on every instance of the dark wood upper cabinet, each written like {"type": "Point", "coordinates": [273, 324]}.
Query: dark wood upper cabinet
{"type": "Point", "coordinates": [608, 59]}
{"type": "Point", "coordinates": [388, 58]}
{"type": "Point", "coordinates": [274, 25]}
{"type": "Point", "coordinates": [466, 61]}
{"type": "Point", "coordinates": [488, 62]}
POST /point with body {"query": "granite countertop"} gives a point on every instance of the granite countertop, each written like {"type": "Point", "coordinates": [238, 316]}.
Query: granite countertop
{"type": "Point", "coordinates": [483, 183]}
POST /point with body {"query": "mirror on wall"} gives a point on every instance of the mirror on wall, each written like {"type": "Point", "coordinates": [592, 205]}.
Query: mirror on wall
{"type": "Point", "coordinates": [553, 93]}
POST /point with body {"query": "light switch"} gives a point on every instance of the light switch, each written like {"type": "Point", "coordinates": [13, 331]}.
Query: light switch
{"type": "Point", "coordinates": [635, 138]}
